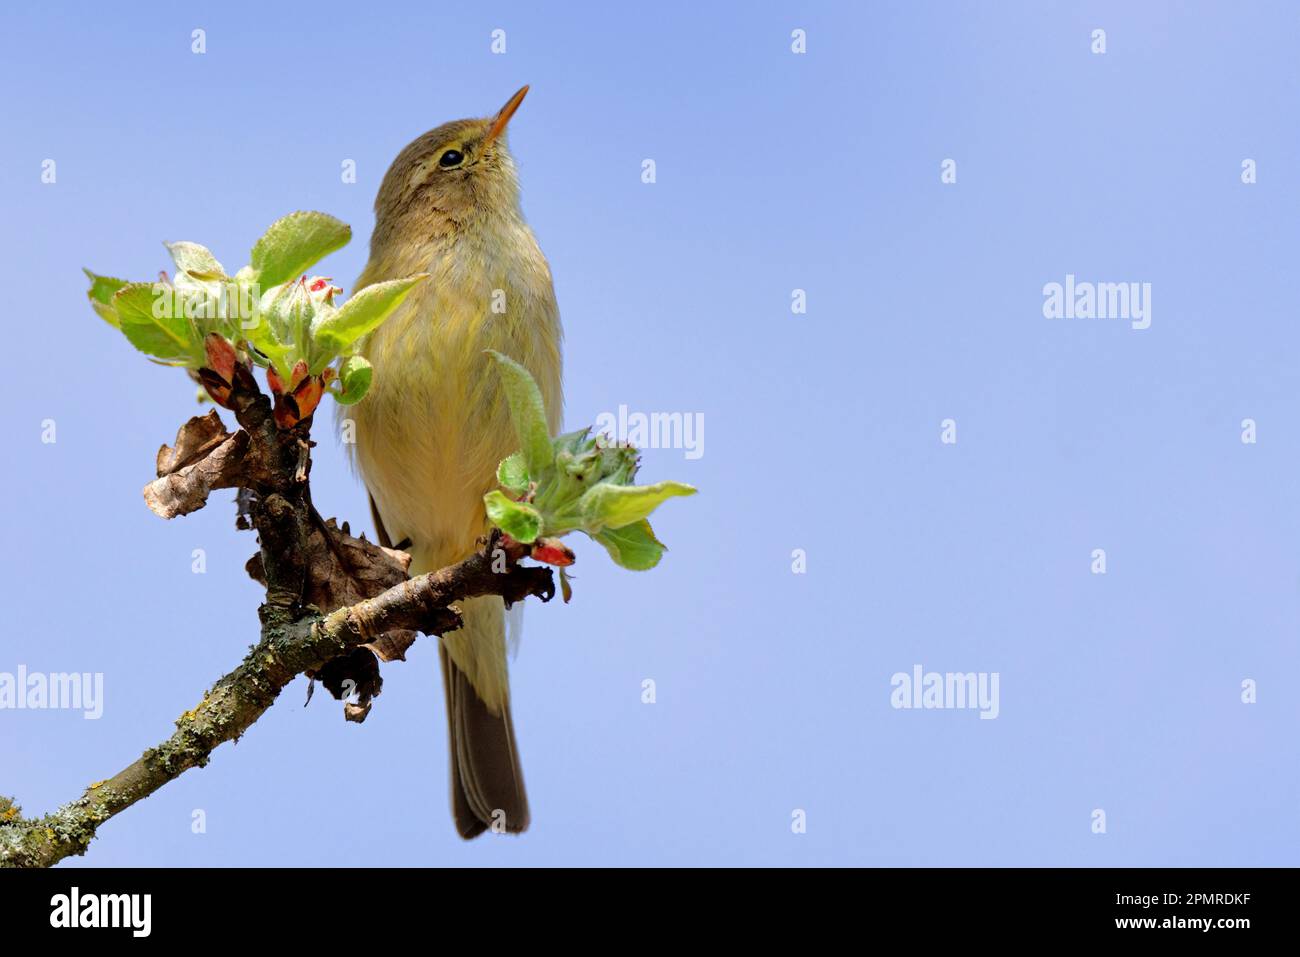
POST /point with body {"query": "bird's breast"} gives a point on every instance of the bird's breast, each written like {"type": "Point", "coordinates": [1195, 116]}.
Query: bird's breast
{"type": "Point", "coordinates": [435, 424]}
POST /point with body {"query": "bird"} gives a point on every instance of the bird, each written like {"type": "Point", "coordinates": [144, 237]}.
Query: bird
{"type": "Point", "coordinates": [429, 435]}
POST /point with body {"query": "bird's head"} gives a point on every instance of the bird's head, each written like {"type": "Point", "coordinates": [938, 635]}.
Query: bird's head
{"type": "Point", "coordinates": [450, 177]}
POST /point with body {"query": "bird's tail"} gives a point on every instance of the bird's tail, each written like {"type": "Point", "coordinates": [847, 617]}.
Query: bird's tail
{"type": "Point", "coordinates": [487, 783]}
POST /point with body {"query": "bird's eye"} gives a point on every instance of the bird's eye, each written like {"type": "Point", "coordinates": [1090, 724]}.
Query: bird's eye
{"type": "Point", "coordinates": [451, 159]}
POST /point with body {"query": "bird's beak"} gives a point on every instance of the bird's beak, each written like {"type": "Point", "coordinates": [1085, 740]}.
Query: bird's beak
{"type": "Point", "coordinates": [504, 114]}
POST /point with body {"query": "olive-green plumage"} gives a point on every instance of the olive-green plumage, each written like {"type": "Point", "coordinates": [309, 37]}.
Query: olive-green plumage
{"type": "Point", "coordinates": [435, 424]}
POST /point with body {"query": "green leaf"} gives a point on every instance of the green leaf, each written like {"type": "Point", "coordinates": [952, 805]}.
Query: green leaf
{"type": "Point", "coordinates": [355, 374]}
{"type": "Point", "coordinates": [363, 313]}
{"type": "Point", "coordinates": [519, 520]}
{"type": "Point", "coordinates": [263, 339]}
{"type": "Point", "coordinates": [271, 332]}
{"type": "Point", "coordinates": [632, 546]}
{"type": "Point", "coordinates": [101, 292]}
{"type": "Point", "coordinates": [293, 244]}
{"type": "Point", "coordinates": [106, 313]}
{"type": "Point", "coordinates": [572, 442]}
{"type": "Point", "coordinates": [149, 318]}
{"type": "Point", "coordinates": [196, 260]}
{"type": "Point", "coordinates": [528, 413]}
{"type": "Point", "coordinates": [103, 288]}
{"type": "Point", "coordinates": [512, 474]}
{"type": "Point", "coordinates": [613, 506]}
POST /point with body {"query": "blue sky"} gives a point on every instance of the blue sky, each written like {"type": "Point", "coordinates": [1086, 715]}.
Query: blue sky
{"type": "Point", "coordinates": [776, 171]}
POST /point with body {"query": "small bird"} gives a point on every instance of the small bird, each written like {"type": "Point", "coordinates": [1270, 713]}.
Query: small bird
{"type": "Point", "coordinates": [434, 426]}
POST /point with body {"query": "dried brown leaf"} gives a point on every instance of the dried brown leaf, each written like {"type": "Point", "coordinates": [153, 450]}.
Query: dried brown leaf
{"type": "Point", "coordinates": [370, 570]}
{"type": "Point", "coordinates": [195, 439]}
{"type": "Point", "coordinates": [205, 457]}
{"type": "Point", "coordinates": [392, 645]}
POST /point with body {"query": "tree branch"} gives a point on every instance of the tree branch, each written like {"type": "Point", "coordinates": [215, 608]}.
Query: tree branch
{"type": "Point", "coordinates": [301, 562]}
